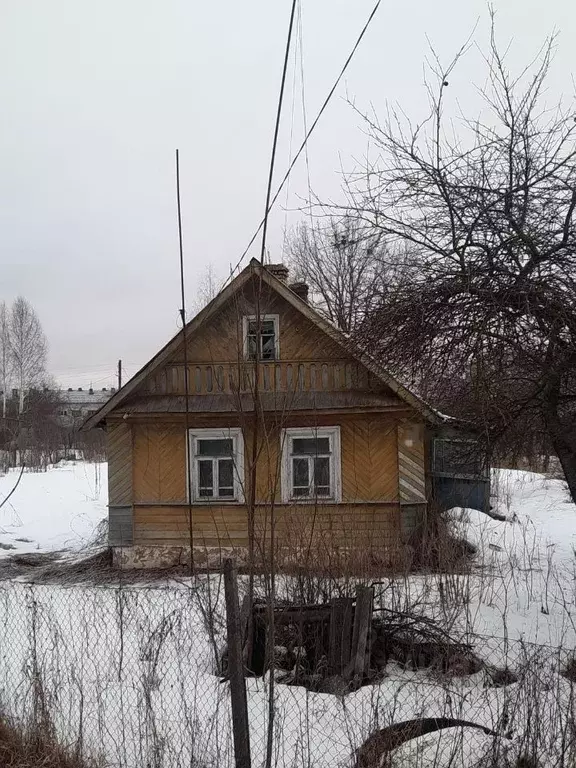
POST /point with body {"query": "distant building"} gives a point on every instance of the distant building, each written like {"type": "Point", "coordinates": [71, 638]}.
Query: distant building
{"type": "Point", "coordinates": [77, 404]}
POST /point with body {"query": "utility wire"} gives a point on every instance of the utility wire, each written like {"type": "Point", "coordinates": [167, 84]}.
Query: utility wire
{"type": "Point", "coordinates": [304, 114]}
{"type": "Point", "coordinates": [264, 222]}
{"type": "Point", "coordinates": [292, 117]}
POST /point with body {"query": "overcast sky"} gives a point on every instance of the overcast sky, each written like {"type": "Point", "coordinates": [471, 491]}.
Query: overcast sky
{"type": "Point", "coordinates": [96, 96]}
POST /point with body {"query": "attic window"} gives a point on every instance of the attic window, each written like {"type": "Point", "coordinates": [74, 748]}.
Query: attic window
{"type": "Point", "coordinates": [261, 339]}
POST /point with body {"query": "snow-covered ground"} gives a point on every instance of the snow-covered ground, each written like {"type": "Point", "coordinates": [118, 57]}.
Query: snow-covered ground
{"type": "Point", "coordinates": [53, 510]}
{"type": "Point", "coordinates": [131, 670]}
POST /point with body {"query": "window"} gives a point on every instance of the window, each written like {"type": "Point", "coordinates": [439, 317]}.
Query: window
{"type": "Point", "coordinates": [458, 457]}
{"type": "Point", "coordinates": [217, 464]}
{"type": "Point", "coordinates": [268, 347]}
{"type": "Point", "coordinates": [311, 464]}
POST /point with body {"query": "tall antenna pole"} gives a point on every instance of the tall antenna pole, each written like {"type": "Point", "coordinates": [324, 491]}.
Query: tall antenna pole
{"type": "Point", "coordinates": [271, 597]}
{"type": "Point", "coordinates": [185, 360]}
{"type": "Point", "coordinates": [277, 131]}
{"type": "Point", "coordinates": [119, 374]}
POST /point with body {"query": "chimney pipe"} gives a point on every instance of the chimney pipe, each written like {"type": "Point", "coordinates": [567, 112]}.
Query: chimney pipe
{"type": "Point", "coordinates": [280, 271]}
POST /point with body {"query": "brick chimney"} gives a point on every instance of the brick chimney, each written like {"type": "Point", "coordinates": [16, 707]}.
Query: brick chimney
{"type": "Point", "coordinates": [280, 271]}
{"type": "Point", "coordinates": [300, 289]}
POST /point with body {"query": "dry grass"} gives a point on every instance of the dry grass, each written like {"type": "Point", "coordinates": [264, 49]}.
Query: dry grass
{"type": "Point", "coordinates": [20, 749]}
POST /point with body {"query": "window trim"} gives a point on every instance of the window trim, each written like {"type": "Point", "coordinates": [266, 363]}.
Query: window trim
{"type": "Point", "coordinates": [226, 433]}
{"type": "Point", "coordinates": [253, 318]}
{"type": "Point", "coordinates": [333, 433]}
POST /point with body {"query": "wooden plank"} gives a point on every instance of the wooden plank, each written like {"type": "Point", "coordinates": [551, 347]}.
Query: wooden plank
{"type": "Point", "coordinates": [120, 526]}
{"type": "Point", "coordinates": [340, 624]}
{"type": "Point", "coordinates": [119, 443]}
{"type": "Point", "coordinates": [347, 635]}
{"type": "Point", "coordinates": [362, 622]}
{"type": "Point", "coordinates": [236, 668]}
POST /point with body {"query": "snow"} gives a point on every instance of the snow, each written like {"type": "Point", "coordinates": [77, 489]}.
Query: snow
{"type": "Point", "coordinates": [138, 662]}
{"type": "Point", "coordinates": [53, 510]}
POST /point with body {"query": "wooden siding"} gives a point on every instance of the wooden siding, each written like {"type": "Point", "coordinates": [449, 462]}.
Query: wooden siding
{"type": "Point", "coordinates": [159, 470]}
{"type": "Point", "coordinates": [369, 463]}
{"type": "Point", "coordinates": [221, 337]}
{"type": "Point", "coordinates": [339, 375]}
{"type": "Point", "coordinates": [120, 526]}
{"type": "Point", "coordinates": [411, 463]}
{"type": "Point", "coordinates": [119, 439]}
{"type": "Point", "coordinates": [342, 525]}
{"type": "Point", "coordinates": [309, 359]}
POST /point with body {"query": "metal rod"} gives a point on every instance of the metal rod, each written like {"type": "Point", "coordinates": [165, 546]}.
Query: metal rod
{"type": "Point", "coordinates": [185, 359]}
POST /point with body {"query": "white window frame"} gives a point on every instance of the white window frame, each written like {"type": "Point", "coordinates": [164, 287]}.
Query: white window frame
{"type": "Point", "coordinates": [253, 318]}
{"type": "Point", "coordinates": [333, 433]}
{"type": "Point", "coordinates": [237, 437]}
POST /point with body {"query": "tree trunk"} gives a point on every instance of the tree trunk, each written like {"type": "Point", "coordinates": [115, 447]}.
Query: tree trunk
{"type": "Point", "coordinates": [562, 436]}
{"type": "Point", "coordinates": [565, 448]}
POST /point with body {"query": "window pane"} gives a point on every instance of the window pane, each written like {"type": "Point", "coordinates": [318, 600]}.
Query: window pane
{"type": "Point", "coordinates": [215, 447]}
{"type": "Point", "coordinates": [205, 483]}
{"type": "Point", "coordinates": [300, 476]}
{"type": "Point", "coordinates": [322, 475]}
{"type": "Point", "coordinates": [226, 477]}
{"type": "Point", "coordinates": [310, 446]}
{"type": "Point", "coordinates": [266, 326]}
{"type": "Point", "coordinates": [459, 457]}
{"type": "Point", "coordinates": [267, 339]}
{"type": "Point", "coordinates": [268, 347]}
{"type": "Point", "coordinates": [251, 347]}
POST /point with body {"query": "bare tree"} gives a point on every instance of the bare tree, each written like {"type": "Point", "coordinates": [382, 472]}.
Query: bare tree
{"type": "Point", "coordinates": [343, 265]}
{"type": "Point", "coordinates": [5, 362]}
{"type": "Point", "coordinates": [488, 301]}
{"type": "Point", "coordinates": [28, 347]}
{"type": "Point", "coordinates": [208, 288]}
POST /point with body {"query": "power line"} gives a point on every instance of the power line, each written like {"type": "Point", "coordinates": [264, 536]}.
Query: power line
{"type": "Point", "coordinates": [292, 116]}
{"type": "Point", "coordinates": [264, 221]}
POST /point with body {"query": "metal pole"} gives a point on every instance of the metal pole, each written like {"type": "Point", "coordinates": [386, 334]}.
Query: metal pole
{"type": "Point", "coordinates": [236, 668]}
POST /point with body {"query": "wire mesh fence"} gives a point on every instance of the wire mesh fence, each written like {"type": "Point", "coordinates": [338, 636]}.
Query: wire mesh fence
{"type": "Point", "coordinates": [130, 676]}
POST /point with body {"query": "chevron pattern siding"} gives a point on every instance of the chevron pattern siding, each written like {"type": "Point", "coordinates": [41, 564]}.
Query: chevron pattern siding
{"type": "Point", "coordinates": [412, 478]}
{"type": "Point", "coordinates": [119, 440]}
{"type": "Point", "coordinates": [159, 463]}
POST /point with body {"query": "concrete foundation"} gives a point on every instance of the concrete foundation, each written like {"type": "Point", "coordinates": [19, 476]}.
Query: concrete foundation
{"type": "Point", "coordinates": [140, 557]}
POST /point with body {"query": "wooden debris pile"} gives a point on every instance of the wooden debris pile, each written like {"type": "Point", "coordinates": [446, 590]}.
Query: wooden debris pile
{"type": "Point", "coordinates": [339, 646]}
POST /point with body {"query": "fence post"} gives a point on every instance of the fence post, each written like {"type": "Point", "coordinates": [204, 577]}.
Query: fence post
{"type": "Point", "coordinates": [340, 635]}
{"type": "Point", "coordinates": [362, 623]}
{"type": "Point", "coordinates": [236, 668]}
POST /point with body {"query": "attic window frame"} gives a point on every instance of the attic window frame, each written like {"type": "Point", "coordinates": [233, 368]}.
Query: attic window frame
{"type": "Point", "coordinates": [246, 320]}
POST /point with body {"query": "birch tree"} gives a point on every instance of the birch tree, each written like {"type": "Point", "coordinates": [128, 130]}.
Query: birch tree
{"type": "Point", "coordinates": [28, 348]}
{"type": "Point", "coordinates": [4, 355]}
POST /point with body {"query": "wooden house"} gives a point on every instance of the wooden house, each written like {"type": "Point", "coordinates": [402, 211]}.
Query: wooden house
{"type": "Point", "coordinates": [281, 434]}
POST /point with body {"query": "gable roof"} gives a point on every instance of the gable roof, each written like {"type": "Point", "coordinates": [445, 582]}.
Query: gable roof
{"type": "Point", "coordinates": [194, 325]}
